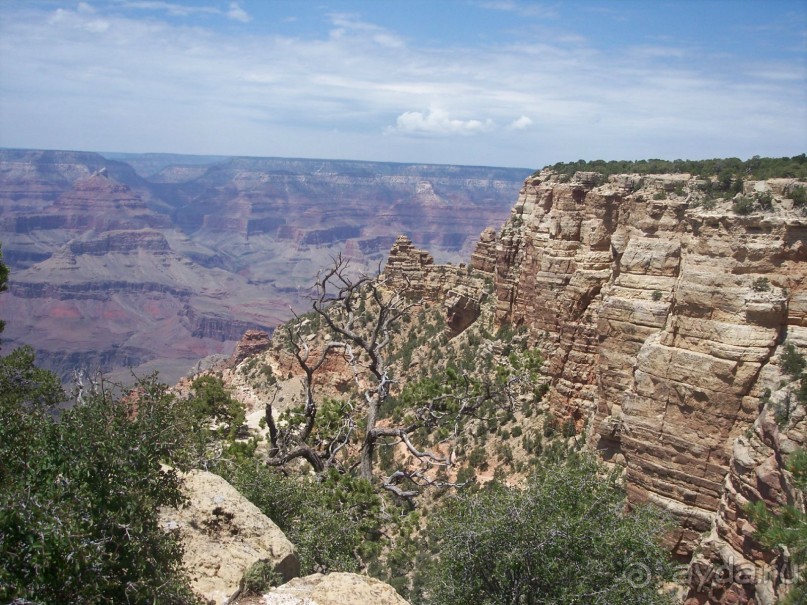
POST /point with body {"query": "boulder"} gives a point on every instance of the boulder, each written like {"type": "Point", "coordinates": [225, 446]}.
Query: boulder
{"type": "Point", "coordinates": [252, 343]}
{"type": "Point", "coordinates": [462, 310]}
{"type": "Point", "coordinates": [224, 534]}
{"type": "Point", "coordinates": [334, 589]}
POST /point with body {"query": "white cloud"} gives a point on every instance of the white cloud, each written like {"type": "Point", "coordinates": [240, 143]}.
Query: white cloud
{"type": "Point", "coordinates": [158, 84]}
{"type": "Point", "coordinates": [172, 8]}
{"type": "Point", "coordinates": [438, 122]}
{"type": "Point", "coordinates": [348, 24]}
{"type": "Point", "coordinates": [175, 9]}
{"type": "Point", "coordinates": [520, 124]}
{"type": "Point", "coordinates": [527, 9]}
{"type": "Point", "coordinates": [84, 18]}
{"type": "Point", "coordinates": [236, 13]}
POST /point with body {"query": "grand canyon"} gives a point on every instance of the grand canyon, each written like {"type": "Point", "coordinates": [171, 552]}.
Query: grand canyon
{"type": "Point", "coordinates": [664, 307]}
{"type": "Point", "coordinates": [130, 263]}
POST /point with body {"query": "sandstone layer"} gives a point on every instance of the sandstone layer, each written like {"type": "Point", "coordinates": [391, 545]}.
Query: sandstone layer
{"type": "Point", "coordinates": [662, 319]}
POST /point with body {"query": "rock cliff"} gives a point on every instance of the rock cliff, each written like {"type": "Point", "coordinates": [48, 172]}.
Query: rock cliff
{"type": "Point", "coordinates": [662, 314]}
{"type": "Point", "coordinates": [454, 287]}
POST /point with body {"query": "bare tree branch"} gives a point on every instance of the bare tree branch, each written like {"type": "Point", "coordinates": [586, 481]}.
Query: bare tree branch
{"type": "Point", "coordinates": [362, 314]}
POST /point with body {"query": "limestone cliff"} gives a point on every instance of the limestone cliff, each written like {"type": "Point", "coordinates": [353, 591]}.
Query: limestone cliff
{"type": "Point", "coordinates": [662, 315]}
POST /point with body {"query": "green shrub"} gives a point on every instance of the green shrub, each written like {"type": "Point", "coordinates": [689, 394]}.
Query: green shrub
{"type": "Point", "coordinates": [761, 284]}
{"type": "Point", "coordinates": [551, 426]}
{"type": "Point", "coordinates": [504, 453]}
{"type": "Point", "coordinates": [532, 443]}
{"type": "Point", "coordinates": [799, 196]}
{"type": "Point", "coordinates": [787, 527]}
{"type": "Point", "coordinates": [709, 203]}
{"type": "Point", "coordinates": [793, 362]}
{"type": "Point", "coordinates": [765, 200]}
{"type": "Point", "coordinates": [329, 520]}
{"type": "Point", "coordinates": [562, 539]}
{"type": "Point", "coordinates": [743, 206]}
{"type": "Point", "coordinates": [210, 401]}
{"type": "Point", "coordinates": [79, 498]}
{"type": "Point", "coordinates": [569, 429]}
{"type": "Point", "coordinates": [260, 577]}
{"type": "Point", "coordinates": [466, 475]}
{"type": "Point", "coordinates": [478, 458]}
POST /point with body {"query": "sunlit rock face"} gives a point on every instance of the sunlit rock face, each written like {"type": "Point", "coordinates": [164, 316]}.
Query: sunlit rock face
{"type": "Point", "coordinates": [662, 321]}
{"type": "Point", "coordinates": [222, 535]}
{"type": "Point", "coordinates": [335, 588]}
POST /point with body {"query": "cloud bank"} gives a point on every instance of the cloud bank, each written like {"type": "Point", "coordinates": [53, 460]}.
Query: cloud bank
{"type": "Point", "coordinates": [203, 78]}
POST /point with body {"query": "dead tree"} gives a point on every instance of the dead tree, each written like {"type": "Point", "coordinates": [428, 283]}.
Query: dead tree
{"type": "Point", "coordinates": [362, 337]}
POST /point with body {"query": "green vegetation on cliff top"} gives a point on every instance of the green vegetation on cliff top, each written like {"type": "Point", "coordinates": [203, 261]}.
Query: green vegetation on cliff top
{"type": "Point", "coordinates": [755, 168]}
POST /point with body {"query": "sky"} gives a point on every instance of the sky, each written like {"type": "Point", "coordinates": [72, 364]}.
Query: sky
{"type": "Point", "coordinates": [479, 82]}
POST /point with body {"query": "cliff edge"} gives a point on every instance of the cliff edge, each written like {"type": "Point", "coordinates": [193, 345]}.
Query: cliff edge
{"type": "Point", "coordinates": [662, 310]}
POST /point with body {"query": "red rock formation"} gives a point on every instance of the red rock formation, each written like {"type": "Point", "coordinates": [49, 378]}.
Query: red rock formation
{"type": "Point", "coordinates": [251, 343]}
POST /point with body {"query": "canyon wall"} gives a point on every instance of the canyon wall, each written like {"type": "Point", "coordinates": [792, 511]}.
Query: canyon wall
{"type": "Point", "coordinates": [662, 316]}
{"type": "Point", "coordinates": [154, 261]}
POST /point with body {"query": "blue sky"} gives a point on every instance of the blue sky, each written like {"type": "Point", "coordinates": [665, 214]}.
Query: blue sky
{"type": "Point", "coordinates": [486, 82]}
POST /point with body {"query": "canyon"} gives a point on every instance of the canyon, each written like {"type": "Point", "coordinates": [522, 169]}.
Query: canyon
{"type": "Point", "coordinates": [662, 309]}
{"type": "Point", "coordinates": [124, 262]}
{"type": "Point", "coordinates": [663, 312]}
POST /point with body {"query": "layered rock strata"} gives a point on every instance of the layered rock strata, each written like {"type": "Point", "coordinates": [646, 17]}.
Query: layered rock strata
{"type": "Point", "coordinates": [158, 262]}
{"type": "Point", "coordinates": [658, 315]}
{"type": "Point", "coordinates": [455, 287]}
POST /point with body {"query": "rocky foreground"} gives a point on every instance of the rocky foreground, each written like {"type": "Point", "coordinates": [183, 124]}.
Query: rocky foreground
{"type": "Point", "coordinates": [225, 536]}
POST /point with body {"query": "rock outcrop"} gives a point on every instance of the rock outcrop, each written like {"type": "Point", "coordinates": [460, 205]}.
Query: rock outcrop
{"type": "Point", "coordinates": [223, 534]}
{"type": "Point", "coordinates": [334, 589]}
{"type": "Point", "coordinates": [251, 343]}
{"type": "Point", "coordinates": [455, 287]}
{"type": "Point", "coordinates": [659, 317]}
